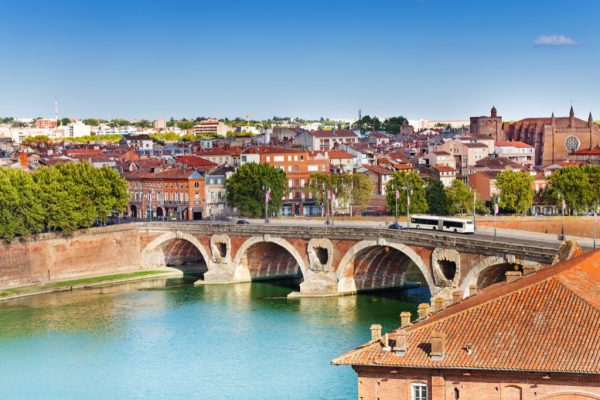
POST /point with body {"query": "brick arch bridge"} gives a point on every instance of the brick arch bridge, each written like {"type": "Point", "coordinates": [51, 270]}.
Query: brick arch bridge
{"type": "Point", "coordinates": [339, 260]}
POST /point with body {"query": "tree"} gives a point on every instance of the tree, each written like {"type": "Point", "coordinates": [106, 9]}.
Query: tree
{"type": "Point", "coordinates": [91, 122]}
{"type": "Point", "coordinates": [185, 125]}
{"type": "Point", "coordinates": [516, 190]}
{"type": "Point", "coordinates": [318, 184]}
{"type": "Point", "coordinates": [393, 124]}
{"type": "Point", "coordinates": [405, 182]}
{"type": "Point", "coordinates": [593, 173]}
{"type": "Point", "coordinates": [362, 189]}
{"type": "Point", "coordinates": [65, 121]}
{"type": "Point", "coordinates": [574, 185]}
{"type": "Point", "coordinates": [23, 203]}
{"type": "Point", "coordinates": [460, 198]}
{"type": "Point", "coordinates": [437, 202]}
{"type": "Point", "coordinates": [341, 186]}
{"type": "Point", "coordinates": [246, 189]}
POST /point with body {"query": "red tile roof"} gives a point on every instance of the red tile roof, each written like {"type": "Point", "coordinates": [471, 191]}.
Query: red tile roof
{"type": "Point", "coordinates": [444, 168]}
{"type": "Point", "coordinates": [336, 133]}
{"type": "Point", "coordinates": [378, 169]}
{"type": "Point", "coordinates": [514, 144]}
{"type": "Point", "coordinates": [545, 322]}
{"type": "Point", "coordinates": [195, 162]}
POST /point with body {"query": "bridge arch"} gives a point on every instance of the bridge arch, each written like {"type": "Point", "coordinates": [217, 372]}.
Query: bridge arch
{"type": "Point", "coordinates": [277, 254]}
{"type": "Point", "coordinates": [383, 255]}
{"type": "Point", "coordinates": [176, 249]}
{"type": "Point", "coordinates": [491, 270]}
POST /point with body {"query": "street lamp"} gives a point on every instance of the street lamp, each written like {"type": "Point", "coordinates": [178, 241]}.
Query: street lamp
{"type": "Point", "coordinates": [564, 207]}
{"type": "Point", "coordinates": [397, 196]}
{"type": "Point", "coordinates": [408, 193]}
{"type": "Point", "coordinates": [267, 198]}
{"type": "Point", "coordinates": [495, 214]}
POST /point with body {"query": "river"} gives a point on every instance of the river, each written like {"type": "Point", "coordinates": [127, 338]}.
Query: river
{"type": "Point", "coordinates": [162, 339]}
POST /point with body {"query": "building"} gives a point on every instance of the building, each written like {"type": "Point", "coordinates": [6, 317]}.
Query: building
{"type": "Point", "coordinates": [444, 174]}
{"type": "Point", "coordinates": [586, 156]}
{"type": "Point", "coordinates": [553, 138]}
{"type": "Point", "coordinates": [379, 139]}
{"type": "Point", "coordinates": [196, 163]}
{"type": "Point", "coordinates": [487, 126]}
{"type": "Point", "coordinates": [516, 151]}
{"type": "Point", "coordinates": [380, 176]}
{"type": "Point", "coordinates": [298, 166]}
{"type": "Point", "coordinates": [160, 124]}
{"type": "Point", "coordinates": [165, 193]}
{"type": "Point", "coordinates": [340, 161]}
{"type": "Point", "coordinates": [210, 127]}
{"type": "Point", "coordinates": [533, 337]}
{"type": "Point", "coordinates": [45, 123]}
{"type": "Point", "coordinates": [216, 199]}
{"type": "Point", "coordinates": [325, 140]}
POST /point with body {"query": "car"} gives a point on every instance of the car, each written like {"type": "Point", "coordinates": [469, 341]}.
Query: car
{"type": "Point", "coordinates": [242, 222]}
{"type": "Point", "coordinates": [395, 225]}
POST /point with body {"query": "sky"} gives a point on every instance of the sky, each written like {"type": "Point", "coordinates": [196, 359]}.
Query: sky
{"type": "Point", "coordinates": [431, 59]}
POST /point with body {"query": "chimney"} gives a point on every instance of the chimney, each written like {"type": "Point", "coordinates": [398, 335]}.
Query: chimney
{"type": "Point", "coordinates": [512, 276]}
{"type": "Point", "coordinates": [385, 340]}
{"type": "Point", "coordinates": [472, 289]}
{"type": "Point", "coordinates": [438, 346]}
{"type": "Point", "coordinates": [457, 296]}
{"type": "Point", "coordinates": [23, 160]}
{"type": "Point", "coordinates": [528, 269]}
{"type": "Point", "coordinates": [401, 345]}
{"type": "Point", "coordinates": [438, 304]}
{"type": "Point", "coordinates": [405, 319]}
{"type": "Point", "coordinates": [423, 310]}
{"type": "Point", "coordinates": [375, 332]}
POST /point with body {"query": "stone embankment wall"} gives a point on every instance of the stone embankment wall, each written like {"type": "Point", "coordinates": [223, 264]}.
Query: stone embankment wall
{"type": "Point", "coordinates": [51, 257]}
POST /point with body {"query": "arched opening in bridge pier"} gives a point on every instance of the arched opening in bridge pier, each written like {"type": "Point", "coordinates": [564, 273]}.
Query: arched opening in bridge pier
{"type": "Point", "coordinates": [448, 268]}
{"type": "Point", "coordinates": [496, 273]}
{"type": "Point", "coordinates": [271, 261]}
{"type": "Point", "coordinates": [383, 267]}
{"type": "Point", "coordinates": [185, 256]}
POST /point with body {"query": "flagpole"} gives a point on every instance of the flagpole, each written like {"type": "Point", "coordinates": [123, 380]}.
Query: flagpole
{"type": "Point", "coordinates": [595, 220]}
{"type": "Point", "coordinates": [396, 196]}
{"type": "Point", "coordinates": [474, 205]}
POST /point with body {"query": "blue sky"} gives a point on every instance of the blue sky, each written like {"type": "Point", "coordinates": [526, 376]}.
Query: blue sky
{"type": "Point", "coordinates": [433, 59]}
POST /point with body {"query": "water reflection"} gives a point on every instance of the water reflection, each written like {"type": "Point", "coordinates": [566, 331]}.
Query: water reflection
{"type": "Point", "coordinates": [165, 338]}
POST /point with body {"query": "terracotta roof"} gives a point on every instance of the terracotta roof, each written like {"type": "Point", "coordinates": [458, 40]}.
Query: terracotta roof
{"type": "Point", "coordinates": [335, 133]}
{"type": "Point", "coordinates": [444, 168]}
{"type": "Point", "coordinates": [474, 145]}
{"type": "Point", "coordinates": [588, 152]}
{"type": "Point", "coordinates": [545, 322]}
{"type": "Point", "coordinates": [270, 150]}
{"type": "Point", "coordinates": [336, 154]}
{"type": "Point", "coordinates": [497, 163]}
{"type": "Point", "coordinates": [516, 144]}
{"type": "Point", "coordinates": [378, 169]}
{"type": "Point", "coordinates": [195, 162]}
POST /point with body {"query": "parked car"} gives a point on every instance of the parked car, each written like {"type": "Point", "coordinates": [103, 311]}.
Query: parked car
{"type": "Point", "coordinates": [395, 225]}
{"type": "Point", "coordinates": [242, 222]}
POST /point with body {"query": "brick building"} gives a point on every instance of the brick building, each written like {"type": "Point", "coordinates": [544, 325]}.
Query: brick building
{"type": "Point", "coordinates": [553, 138]}
{"type": "Point", "coordinates": [534, 337]}
{"type": "Point", "coordinates": [298, 166]}
{"type": "Point", "coordinates": [172, 194]}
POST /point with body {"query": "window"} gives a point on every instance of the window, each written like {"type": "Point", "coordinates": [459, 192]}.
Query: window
{"type": "Point", "coordinates": [196, 185]}
{"type": "Point", "coordinates": [418, 391]}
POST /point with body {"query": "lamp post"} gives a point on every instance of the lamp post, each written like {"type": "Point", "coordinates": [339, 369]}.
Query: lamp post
{"type": "Point", "coordinates": [267, 198]}
{"type": "Point", "coordinates": [595, 222]}
{"type": "Point", "coordinates": [474, 206]}
{"type": "Point", "coordinates": [396, 195]}
{"type": "Point", "coordinates": [495, 214]}
{"type": "Point", "coordinates": [563, 207]}
{"type": "Point", "coordinates": [408, 193]}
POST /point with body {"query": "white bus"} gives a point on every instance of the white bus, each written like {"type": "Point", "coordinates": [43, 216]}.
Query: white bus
{"type": "Point", "coordinates": [445, 224]}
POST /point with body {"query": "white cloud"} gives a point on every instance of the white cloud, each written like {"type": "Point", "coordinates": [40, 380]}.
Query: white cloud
{"type": "Point", "coordinates": [554, 40]}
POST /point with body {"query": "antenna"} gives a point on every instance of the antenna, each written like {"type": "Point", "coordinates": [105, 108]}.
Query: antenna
{"type": "Point", "coordinates": [56, 110]}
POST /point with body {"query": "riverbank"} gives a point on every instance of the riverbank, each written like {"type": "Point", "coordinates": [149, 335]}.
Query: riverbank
{"type": "Point", "coordinates": [84, 283]}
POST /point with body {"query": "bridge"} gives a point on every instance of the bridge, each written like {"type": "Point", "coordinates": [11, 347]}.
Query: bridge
{"type": "Point", "coordinates": [339, 260]}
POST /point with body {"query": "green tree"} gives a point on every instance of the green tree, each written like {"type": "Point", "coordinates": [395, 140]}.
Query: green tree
{"type": "Point", "coordinates": [341, 186]}
{"type": "Point", "coordinates": [246, 189]}
{"type": "Point", "coordinates": [23, 203]}
{"type": "Point", "coordinates": [185, 125]}
{"type": "Point", "coordinates": [318, 184]}
{"type": "Point", "coordinates": [460, 198]}
{"type": "Point", "coordinates": [593, 173]}
{"type": "Point", "coordinates": [574, 185]}
{"type": "Point", "coordinates": [406, 182]}
{"type": "Point", "coordinates": [516, 190]}
{"type": "Point", "coordinates": [393, 124]}
{"type": "Point", "coordinates": [119, 123]}
{"type": "Point", "coordinates": [91, 122]}
{"type": "Point", "coordinates": [437, 202]}
{"type": "Point", "coordinates": [362, 189]}
{"type": "Point", "coordinates": [37, 138]}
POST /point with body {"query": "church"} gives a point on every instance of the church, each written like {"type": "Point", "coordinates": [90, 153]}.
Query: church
{"type": "Point", "coordinates": [553, 138]}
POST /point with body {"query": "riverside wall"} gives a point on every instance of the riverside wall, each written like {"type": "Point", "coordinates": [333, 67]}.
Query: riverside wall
{"type": "Point", "coordinates": [52, 257]}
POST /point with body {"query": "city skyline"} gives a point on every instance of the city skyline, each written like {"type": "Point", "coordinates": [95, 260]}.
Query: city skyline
{"type": "Point", "coordinates": [421, 59]}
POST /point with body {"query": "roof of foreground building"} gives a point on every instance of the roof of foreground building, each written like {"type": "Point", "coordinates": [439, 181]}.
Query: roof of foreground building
{"type": "Point", "coordinates": [548, 321]}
